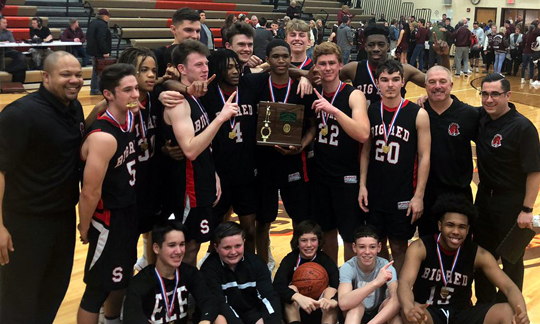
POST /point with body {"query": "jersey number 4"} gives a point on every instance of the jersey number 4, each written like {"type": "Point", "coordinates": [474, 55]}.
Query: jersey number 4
{"type": "Point", "coordinates": [238, 131]}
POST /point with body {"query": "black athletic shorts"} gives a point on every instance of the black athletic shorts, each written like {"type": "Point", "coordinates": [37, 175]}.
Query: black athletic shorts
{"type": "Point", "coordinates": [396, 225]}
{"type": "Point", "coordinates": [471, 315]}
{"type": "Point", "coordinates": [242, 198]}
{"type": "Point", "coordinates": [113, 237]}
{"type": "Point", "coordinates": [336, 206]}
{"type": "Point", "coordinates": [199, 222]}
{"type": "Point", "coordinates": [295, 197]}
{"type": "Point", "coordinates": [475, 53]}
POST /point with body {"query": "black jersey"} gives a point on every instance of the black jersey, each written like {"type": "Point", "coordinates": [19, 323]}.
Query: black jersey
{"type": "Point", "coordinates": [391, 177]}
{"type": "Point", "coordinates": [451, 153]}
{"type": "Point", "coordinates": [291, 262]}
{"type": "Point", "coordinates": [163, 56]}
{"type": "Point", "coordinates": [144, 299]}
{"type": "Point", "coordinates": [364, 82]}
{"type": "Point", "coordinates": [336, 153]}
{"type": "Point", "coordinates": [428, 284]}
{"type": "Point", "coordinates": [272, 166]}
{"type": "Point", "coordinates": [118, 188]}
{"type": "Point", "coordinates": [148, 174]}
{"type": "Point", "coordinates": [233, 147]}
{"type": "Point", "coordinates": [200, 173]}
{"type": "Point", "coordinates": [304, 65]}
{"type": "Point", "coordinates": [508, 150]}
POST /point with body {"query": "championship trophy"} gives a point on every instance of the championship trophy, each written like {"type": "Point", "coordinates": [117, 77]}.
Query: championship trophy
{"type": "Point", "coordinates": [280, 124]}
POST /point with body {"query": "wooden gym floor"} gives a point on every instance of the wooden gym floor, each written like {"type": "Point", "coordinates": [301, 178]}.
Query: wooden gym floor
{"type": "Point", "coordinates": [527, 100]}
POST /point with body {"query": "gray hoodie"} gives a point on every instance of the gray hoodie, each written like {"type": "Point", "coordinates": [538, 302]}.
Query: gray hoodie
{"type": "Point", "coordinates": [345, 37]}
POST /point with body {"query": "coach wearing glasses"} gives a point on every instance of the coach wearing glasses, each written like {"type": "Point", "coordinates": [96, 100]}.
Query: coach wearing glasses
{"type": "Point", "coordinates": [509, 168]}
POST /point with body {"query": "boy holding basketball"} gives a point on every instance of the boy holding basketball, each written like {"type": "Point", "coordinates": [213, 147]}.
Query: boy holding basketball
{"type": "Point", "coordinates": [299, 308]}
{"type": "Point", "coordinates": [368, 283]}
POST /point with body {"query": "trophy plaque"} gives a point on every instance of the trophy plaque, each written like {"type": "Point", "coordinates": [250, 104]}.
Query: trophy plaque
{"type": "Point", "coordinates": [280, 124]}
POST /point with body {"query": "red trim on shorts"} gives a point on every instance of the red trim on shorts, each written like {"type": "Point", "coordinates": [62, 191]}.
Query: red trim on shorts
{"type": "Point", "coordinates": [304, 166]}
{"type": "Point", "coordinates": [102, 214]}
{"type": "Point", "coordinates": [190, 184]}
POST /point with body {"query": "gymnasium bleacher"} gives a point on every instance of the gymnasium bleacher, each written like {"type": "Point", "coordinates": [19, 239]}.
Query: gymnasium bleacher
{"type": "Point", "coordinates": [147, 22]}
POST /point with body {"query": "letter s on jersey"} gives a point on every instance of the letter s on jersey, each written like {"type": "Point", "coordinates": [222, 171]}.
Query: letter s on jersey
{"type": "Point", "coordinates": [205, 227]}
{"type": "Point", "coordinates": [117, 274]}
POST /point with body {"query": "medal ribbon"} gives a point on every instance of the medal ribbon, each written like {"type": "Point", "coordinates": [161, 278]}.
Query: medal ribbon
{"type": "Point", "coordinates": [129, 120]}
{"type": "Point", "coordinates": [232, 121]}
{"type": "Point", "coordinates": [371, 77]}
{"type": "Point", "coordinates": [304, 63]}
{"type": "Point", "coordinates": [168, 306]}
{"type": "Point", "coordinates": [272, 89]}
{"type": "Point", "coordinates": [323, 114]}
{"type": "Point", "coordinates": [300, 259]}
{"type": "Point", "coordinates": [387, 132]}
{"type": "Point", "coordinates": [441, 263]}
{"type": "Point", "coordinates": [202, 109]}
{"type": "Point", "coordinates": [143, 125]}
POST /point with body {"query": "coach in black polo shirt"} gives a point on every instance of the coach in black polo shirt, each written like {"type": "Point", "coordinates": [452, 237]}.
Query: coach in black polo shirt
{"type": "Point", "coordinates": [454, 125]}
{"type": "Point", "coordinates": [40, 135]}
{"type": "Point", "coordinates": [509, 167]}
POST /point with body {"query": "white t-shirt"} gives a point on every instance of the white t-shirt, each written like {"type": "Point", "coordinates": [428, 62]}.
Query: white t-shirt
{"type": "Point", "coordinates": [350, 272]}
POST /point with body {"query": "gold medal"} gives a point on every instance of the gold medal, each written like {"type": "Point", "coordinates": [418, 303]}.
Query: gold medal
{"type": "Point", "coordinates": [232, 134]}
{"type": "Point", "coordinates": [445, 292]}
{"type": "Point", "coordinates": [386, 149]}
{"type": "Point", "coordinates": [324, 130]}
{"type": "Point", "coordinates": [132, 105]}
{"type": "Point", "coordinates": [286, 128]}
{"type": "Point", "coordinates": [144, 145]}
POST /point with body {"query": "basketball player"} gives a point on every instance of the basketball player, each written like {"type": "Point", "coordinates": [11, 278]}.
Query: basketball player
{"type": "Point", "coordinates": [189, 125]}
{"type": "Point", "coordinates": [240, 281]}
{"type": "Point", "coordinates": [159, 293]}
{"type": "Point", "coordinates": [453, 125]}
{"type": "Point", "coordinates": [186, 24]}
{"type": "Point", "coordinates": [509, 169]}
{"type": "Point", "coordinates": [107, 204]}
{"type": "Point", "coordinates": [297, 36]}
{"type": "Point", "coordinates": [240, 40]}
{"type": "Point", "coordinates": [362, 73]}
{"type": "Point", "coordinates": [427, 297]}
{"type": "Point", "coordinates": [342, 124]}
{"type": "Point", "coordinates": [306, 244]}
{"type": "Point", "coordinates": [394, 163]}
{"type": "Point", "coordinates": [281, 170]}
{"type": "Point", "coordinates": [368, 283]}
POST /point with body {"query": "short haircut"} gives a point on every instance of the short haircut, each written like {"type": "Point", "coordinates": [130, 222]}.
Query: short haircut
{"type": "Point", "coordinates": [131, 54]}
{"type": "Point", "coordinates": [181, 52]}
{"type": "Point", "coordinates": [240, 28]}
{"type": "Point", "coordinates": [296, 25]}
{"type": "Point", "coordinates": [111, 76]}
{"type": "Point", "coordinates": [185, 14]}
{"type": "Point", "coordinates": [327, 48]}
{"type": "Point", "coordinates": [262, 21]}
{"type": "Point", "coordinates": [366, 231]}
{"type": "Point", "coordinates": [218, 63]}
{"type": "Point", "coordinates": [227, 229]}
{"type": "Point", "coordinates": [50, 62]}
{"type": "Point", "coordinates": [454, 203]}
{"type": "Point", "coordinates": [200, 11]}
{"type": "Point", "coordinates": [390, 67]}
{"type": "Point", "coordinates": [345, 19]}
{"type": "Point", "coordinates": [72, 21]}
{"type": "Point", "coordinates": [307, 227]}
{"type": "Point", "coordinates": [494, 77]}
{"type": "Point", "coordinates": [439, 68]}
{"type": "Point", "coordinates": [422, 20]}
{"type": "Point", "coordinates": [161, 229]}
{"type": "Point", "coordinates": [448, 19]}
{"type": "Point", "coordinates": [377, 29]}
{"type": "Point", "coordinates": [275, 43]}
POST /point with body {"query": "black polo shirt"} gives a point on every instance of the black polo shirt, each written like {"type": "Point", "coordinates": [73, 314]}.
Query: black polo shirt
{"type": "Point", "coordinates": [508, 149]}
{"type": "Point", "coordinates": [42, 33]}
{"type": "Point", "coordinates": [451, 136]}
{"type": "Point", "coordinates": [39, 153]}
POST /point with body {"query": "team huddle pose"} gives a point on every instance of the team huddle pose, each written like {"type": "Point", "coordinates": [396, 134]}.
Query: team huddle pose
{"type": "Point", "coordinates": [171, 152]}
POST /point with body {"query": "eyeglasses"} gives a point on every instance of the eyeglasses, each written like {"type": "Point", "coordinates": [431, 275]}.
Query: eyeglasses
{"type": "Point", "coordinates": [494, 95]}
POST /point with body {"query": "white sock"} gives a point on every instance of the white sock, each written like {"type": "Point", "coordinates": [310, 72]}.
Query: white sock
{"type": "Point", "coordinates": [113, 321]}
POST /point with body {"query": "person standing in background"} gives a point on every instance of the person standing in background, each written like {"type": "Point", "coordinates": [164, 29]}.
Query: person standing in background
{"type": "Point", "coordinates": [99, 45]}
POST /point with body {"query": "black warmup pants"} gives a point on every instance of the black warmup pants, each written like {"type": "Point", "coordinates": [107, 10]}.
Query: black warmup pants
{"type": "Point", "coordinates": [498, 212]}
{"type": "Point", "coordinates": [34, 282]}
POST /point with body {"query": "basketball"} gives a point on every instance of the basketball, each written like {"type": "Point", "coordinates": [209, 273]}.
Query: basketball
{"type": "Point", "coordinates": [311, 280]}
